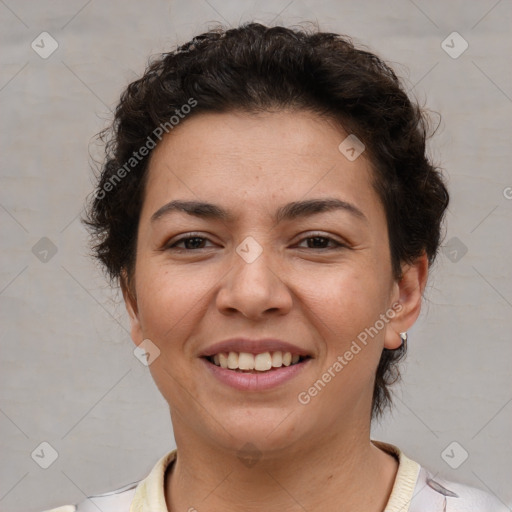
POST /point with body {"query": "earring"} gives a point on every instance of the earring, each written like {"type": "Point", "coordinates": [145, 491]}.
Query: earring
{"type": "Point", "coordinates": [403, 337]}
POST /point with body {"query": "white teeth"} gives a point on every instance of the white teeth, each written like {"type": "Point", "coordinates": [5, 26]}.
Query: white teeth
{"type": "Point", "coordinates": [263, 362]}
{"type": "Point", "coordinates": [277, 359]}
{"type": "Point", "coordinates": [223, 359]}
{"type": "Point", "coordinates": [245, 361]}
{"type": "Point", "coordinates": [259, 362]}
{"type": "Point", "coordinates": [233, 361]}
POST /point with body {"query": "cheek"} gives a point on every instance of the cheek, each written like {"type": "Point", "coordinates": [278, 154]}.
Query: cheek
{"type": "Point", "coordinates": [168, 310]}
{"type": "Point", "coordinates": [348, 299]}
{"type": "Point", "coordinates": [168, 301]}
{"type": "Point", "coordinates": [352, 302]}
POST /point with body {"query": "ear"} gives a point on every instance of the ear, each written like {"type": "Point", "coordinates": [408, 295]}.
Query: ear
{"type": "Point", "coordinates": [130, 302]}
{"type": "Point", "coordinates": [407, 296]}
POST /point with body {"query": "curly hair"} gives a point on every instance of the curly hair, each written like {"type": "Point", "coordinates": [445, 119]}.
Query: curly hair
{"type": "Point", "coordinates": [254, 68]}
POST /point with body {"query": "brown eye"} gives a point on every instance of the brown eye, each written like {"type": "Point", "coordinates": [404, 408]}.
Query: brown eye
{"type": "Point", "coordinates": [190, 243]}
{"type": "Point", "coordinates": [321, 242]}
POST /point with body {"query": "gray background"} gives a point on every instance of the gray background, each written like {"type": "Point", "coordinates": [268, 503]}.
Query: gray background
{"type": "Point", "coordinates": [68, 373]}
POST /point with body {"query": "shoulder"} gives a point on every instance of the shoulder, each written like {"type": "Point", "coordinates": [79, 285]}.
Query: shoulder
{"type": "Point", "coordinates": [114, 501]}
{"type": "Point", "coordinates": [451, 496]}
{"type": "Point", "coordinates": [119, 500]}
{"type": "Point", "coordinates": [146, 494]}
{"type": "Point", "coordinates": [417, 489]}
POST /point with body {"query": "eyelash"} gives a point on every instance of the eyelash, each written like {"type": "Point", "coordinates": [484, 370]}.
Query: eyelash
{"type": "Point", "coordinates": [192, 236]}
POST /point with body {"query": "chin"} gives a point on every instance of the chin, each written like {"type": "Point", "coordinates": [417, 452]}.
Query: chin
{"type": "Point", "coordinates": [268, 429]}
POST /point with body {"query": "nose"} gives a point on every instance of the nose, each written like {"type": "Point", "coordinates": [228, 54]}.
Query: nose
{"type": "Point", "coordinates": [255, 288]}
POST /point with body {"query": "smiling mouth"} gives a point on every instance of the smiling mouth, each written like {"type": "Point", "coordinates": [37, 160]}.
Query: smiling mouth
{"type": "Point", "coordinates": [244, 362]}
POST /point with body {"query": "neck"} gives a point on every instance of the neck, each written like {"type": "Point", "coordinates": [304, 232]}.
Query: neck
{"type": "Point", "coordinates": [338, 473]}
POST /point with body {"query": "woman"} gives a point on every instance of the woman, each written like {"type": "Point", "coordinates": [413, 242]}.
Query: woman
{"type": "Point", "coordinates": [268, 209]}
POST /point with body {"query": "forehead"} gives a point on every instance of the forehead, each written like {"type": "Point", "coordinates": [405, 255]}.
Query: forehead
{"type": "Point", "coordinates": [250, 161]}
{"type": "Point", "coordinates": [294, 133]}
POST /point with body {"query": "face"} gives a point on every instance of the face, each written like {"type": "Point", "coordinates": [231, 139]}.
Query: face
{"type": "Point", "coordinates": [277, 265]}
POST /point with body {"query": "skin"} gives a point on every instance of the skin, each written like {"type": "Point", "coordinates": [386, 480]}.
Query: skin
{"type": "Point", "coordinates": [317, 298]}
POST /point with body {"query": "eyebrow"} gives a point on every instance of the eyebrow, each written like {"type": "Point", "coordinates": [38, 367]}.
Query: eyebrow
{"type": "Point", "coordinates": [290, 211]}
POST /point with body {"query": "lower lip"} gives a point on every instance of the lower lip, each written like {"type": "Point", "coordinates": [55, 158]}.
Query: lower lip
{"type": "Point", "coordinates": [255, 381]}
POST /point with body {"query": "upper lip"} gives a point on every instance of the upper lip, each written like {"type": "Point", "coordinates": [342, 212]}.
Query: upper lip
{"type": "Point", "coordinates": [253, 347]}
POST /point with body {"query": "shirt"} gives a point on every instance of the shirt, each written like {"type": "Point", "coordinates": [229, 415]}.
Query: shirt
{"type": "Point", "coordinates": [415, 490]}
